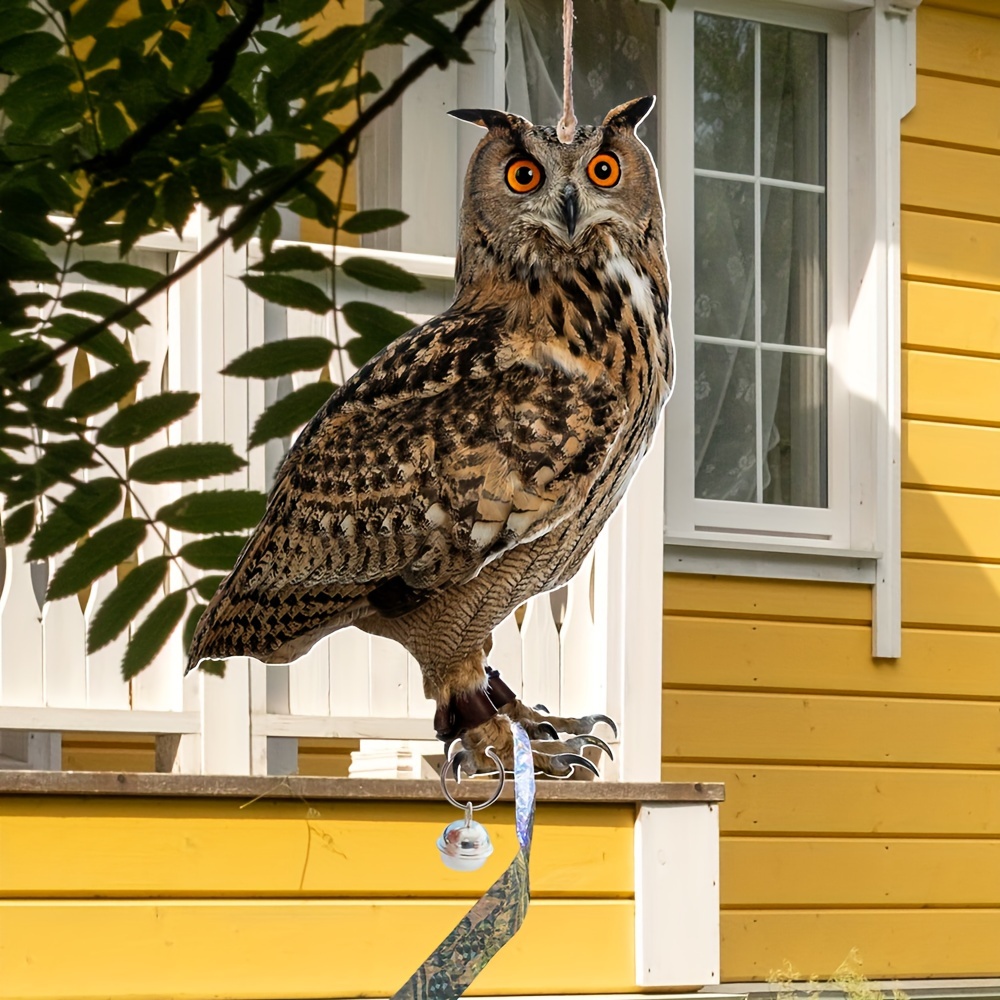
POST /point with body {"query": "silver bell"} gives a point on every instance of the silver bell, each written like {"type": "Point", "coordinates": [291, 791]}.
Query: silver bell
{"type": "Point", "coordinates": [465, 845]}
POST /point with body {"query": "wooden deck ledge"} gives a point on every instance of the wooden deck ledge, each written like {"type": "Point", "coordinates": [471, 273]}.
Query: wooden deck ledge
{"type": "Point", "coordinates": [371, 789]}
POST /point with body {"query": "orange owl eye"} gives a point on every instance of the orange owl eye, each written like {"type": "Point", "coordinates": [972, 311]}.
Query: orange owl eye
{"type": "Point", "coordinates": [604, 170]}
{"type": "Point", "coordinates": [523, 176]}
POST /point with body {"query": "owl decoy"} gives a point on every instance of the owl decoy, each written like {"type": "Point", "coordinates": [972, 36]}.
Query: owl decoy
{"type": "Point", "coordinates": [472, 464]}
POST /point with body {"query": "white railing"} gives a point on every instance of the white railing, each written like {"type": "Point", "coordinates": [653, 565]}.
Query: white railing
{"type": "Point", "coordinates": [567, 649]}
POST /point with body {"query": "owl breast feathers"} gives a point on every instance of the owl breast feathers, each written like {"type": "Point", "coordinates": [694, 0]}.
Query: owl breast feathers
{"type": "Point", "coordinates": [473, 462]}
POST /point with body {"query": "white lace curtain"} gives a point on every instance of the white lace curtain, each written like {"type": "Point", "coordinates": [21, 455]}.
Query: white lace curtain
{"type": "Point", "coordinates": [781, 129]}
{"type": "Point", "coordinates": [614, 59]}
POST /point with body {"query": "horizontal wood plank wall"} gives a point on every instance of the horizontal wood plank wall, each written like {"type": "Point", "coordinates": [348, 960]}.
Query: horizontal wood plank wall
{"type": "Point", "coordinates": [863, 797]}
{"type": "Point", "coordinates": [293, 899]}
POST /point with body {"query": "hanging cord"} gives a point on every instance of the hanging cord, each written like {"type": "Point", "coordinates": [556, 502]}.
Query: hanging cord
{"type": "Point", "coordinates": [566, 128]}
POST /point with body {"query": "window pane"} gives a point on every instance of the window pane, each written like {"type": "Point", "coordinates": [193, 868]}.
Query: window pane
{"type": "Point", "coordinates": [725, 416]}
{"type": "Point", "coordinates": [723, 94]}
{"type": "Point", "coordinates": [792, 104]}
{"type": "Point", "coordinates": [615, 60]}
{"type": "Point", "coordinates": [724, 258]}
{"type": "Point", "coordinates": [794, 408]}
{"type": "Point", "coordinates": [793, 282]}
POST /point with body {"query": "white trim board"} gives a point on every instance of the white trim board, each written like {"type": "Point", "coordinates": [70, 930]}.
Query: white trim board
{"type": "Point", "coordinates": [843, 567]}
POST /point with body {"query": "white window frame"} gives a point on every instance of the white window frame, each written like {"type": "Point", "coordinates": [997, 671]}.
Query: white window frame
{"type": "Point", "coordinates": [871, 67]}
{"type": "Point", "coordinates": [870, 74]}
{"type": "Point", "coordinates": [689, 519]}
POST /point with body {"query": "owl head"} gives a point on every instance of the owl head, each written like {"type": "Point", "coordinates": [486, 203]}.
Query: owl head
{"type": "Point", "coordinates": [532, 202]}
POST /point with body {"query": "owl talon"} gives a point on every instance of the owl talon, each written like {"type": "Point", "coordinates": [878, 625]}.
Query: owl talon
{"type": "Point", "coordinates": [594, 719]}
{"type": "Point", "coordinates": [590, 741]}
{"type": "Point", "coordinates": [560, 765]}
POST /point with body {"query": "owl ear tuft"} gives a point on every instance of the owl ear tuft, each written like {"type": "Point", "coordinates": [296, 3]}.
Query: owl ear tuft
{"type": "Point", "coordinates": [487, 118]}
{"type": "Point", "coordinates": [630, 114]}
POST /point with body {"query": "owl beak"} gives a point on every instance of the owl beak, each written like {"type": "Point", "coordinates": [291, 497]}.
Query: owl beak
{"type": "Point", "coordinates": [570, 208]}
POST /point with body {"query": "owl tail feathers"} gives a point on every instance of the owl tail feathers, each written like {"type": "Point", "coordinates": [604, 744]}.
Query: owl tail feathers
{"type": "Point", "coordinates": [272, 628]}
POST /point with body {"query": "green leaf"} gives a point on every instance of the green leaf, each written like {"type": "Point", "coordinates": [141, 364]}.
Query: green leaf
{"type": "Point", "coordinates": [294, 11]}
{"type": "Point", "coordinates": [137, 215]}
{"type": "Point", "coordinates": [113, 125]}
{"type": "Point", "coordinates": [19, 21]}
{"type": "Point", "coordinates": [239, 110]}
{"type": "Point", "coordinates": [99, 304]}
{"type": "Point", "coordinates": [282, 357]}
{"type": "Point", "coordinates": [217, 552]}
{"type": "Point", "coordinates": [18, 523]}
{"type": "Point", "coordinates": [379, 274]}
{"type": "Point", "coordinates": [118, 273]}
{"type": "Point", "coordinates": [27, 96]}
{"type": "Point", "coordinates": [98, 554]}
{"type": "Point", "coordinates": [270, 228]}
{"type": "Point", "coordinates": [27, 52]}
{"type": "Point", "coordinates": [191, 623]}
{"type": "Point", "coordinates": [104, 346]}
{"type": "Point", "coordinates": [22, 259]}
{"type": "Point", "coordinates": [145, 417]}
{"type": "Point", "coordinates": [214, 511]}
{"type": "Point", "coordinates": [298, 258]}
{"type": "Point", "coordinates": [91, 17]}
{"type": "Point", "coordinates": [151, 636]}
{"type": "Point", "coordinates": [207, 586]}
{"type": "Point", "coordinates": [291, 292]}
{"type": "Point", "coordinates": [372, 220]}
{"type": "Point", "coordinates": [377, 325]}
{"type": "Point", "coordinates": [104, 389]}
{"type": "Point", "coordinates": [88, 505]}
{"type": "Point", "coordinates": [290, 412]}
{"type": "Point", "coordinates": [126, 601]}
{"type": "Point", "coordinates": [178, 200]}
{"type": "Point", "coordinates": [182, 462]}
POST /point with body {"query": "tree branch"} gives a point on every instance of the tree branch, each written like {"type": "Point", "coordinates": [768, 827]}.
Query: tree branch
{"type": "Point", "coordinates": [249, 214]}
{"type": "Point", "coordinates": [178, 112]}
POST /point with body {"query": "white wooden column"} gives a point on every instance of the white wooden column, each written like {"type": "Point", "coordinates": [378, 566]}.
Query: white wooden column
{"type": "Point", "coordinates": [677, 894]}
{"type": "Point", "coordinates": [637, 624]}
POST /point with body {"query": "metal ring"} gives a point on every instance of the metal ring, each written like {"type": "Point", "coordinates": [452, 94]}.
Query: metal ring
{"type": "Point", "coordinates": [491, 753]}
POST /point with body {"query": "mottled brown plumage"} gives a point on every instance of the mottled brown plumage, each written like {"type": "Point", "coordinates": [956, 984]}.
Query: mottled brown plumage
{"type": "Point", "coordinates": [472, 464]}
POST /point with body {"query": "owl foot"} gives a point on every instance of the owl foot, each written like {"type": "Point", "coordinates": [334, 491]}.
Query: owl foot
{"type": "Point", "coordinates": [537, 721]}
{"type": "Point", "coordinates": [555, 758]}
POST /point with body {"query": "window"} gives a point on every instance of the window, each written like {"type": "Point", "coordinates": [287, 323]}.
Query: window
{"type": "Point", "coordinates": [760, 446]}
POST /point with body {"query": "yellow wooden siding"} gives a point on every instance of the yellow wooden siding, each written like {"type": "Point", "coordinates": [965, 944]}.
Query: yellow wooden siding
{"type": "Point", "coordinates": [863, 796]}
{"type": "Point", "coordinates": [956, 112]}
{"type": "Point", "coordinates": [216, 897]}
{"type": "Point", "coordinates": [951, 456]}
{"type": "Point", "coordinates": [952, 387]}
{"type": "Point", "coordinates": [186, 848]}
{"type": "Point", "coordinates": [800, 800]}
{"type": "Point", "coordinates": [956, 251]}
{"type": "Point", "coordinates": [954, 181]}
{"type": "Point", "coordinates": [305, 948]}
{"type": "Point", "coordinates": [783, 656]}
{"type": "Point", "coordinates": [893, 943]}
{"type": "Point", "coordinates": [951, 43]}
{"type": "Point", "coordinates": [951, 318]}
{"type": "Point", "coordinates": [961, 525]}
{"type": "Point", "coordinates": [830, 729]}
{"type": "Point", "coordinates": [857, 872]}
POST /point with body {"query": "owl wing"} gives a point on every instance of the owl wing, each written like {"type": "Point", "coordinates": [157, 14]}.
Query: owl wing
{"type": "Point", "coordinates": [438, 457]}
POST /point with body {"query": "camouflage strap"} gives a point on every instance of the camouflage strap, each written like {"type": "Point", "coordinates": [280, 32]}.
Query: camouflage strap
{"type": "Point", "coordinates": [498, 915]}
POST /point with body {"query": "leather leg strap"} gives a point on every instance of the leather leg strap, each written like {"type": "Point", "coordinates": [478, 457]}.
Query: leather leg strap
{"type": "Point", "coordinates": [472, 708]}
